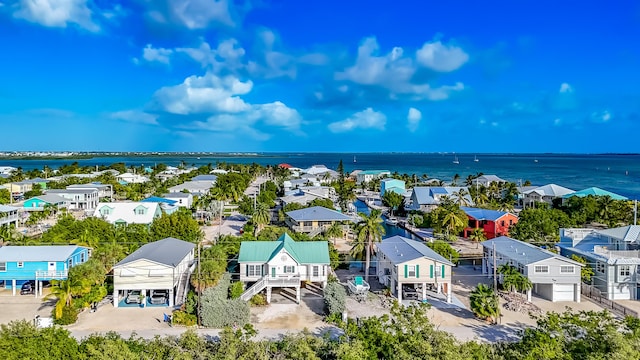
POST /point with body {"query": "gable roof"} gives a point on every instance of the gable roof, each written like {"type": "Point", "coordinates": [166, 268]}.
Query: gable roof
{"type": "Point", "coordinates": [595, 191]}
{"type": "Point", "coordinates": [304, 252]}
{"type": "Point", "coordinates": [522, 252]}
{"type": "Point", "coordinates": [178, 195]}
{"type": "Point", "coordinates": [37, 253]}
{"type": "Point", "coordinates": [551, 190]}
{"type": "Point", "coordinates": [168, 251]}
{"type": "Point", "coordinates": [157, 199]}
{"type": "Point", "coordinates": [125, 211]}
{"type": "Point", "coordinates": [6, 208]}
{"type": "Point", "coordinates": [50, 198]}
{"type": "Point", "coordinates": [483, 214]}
{"type": "Point", "coordinates": [426, 195]}
{"type": "Point", "coordinates": [399, 249]}
{"type": "Point", "coordinates": [630, 233]}
{"type": "Point", "coordinates": [318, 213]}
{"type": "Point", "coordinates": [489, 178]}
{"type": "Point", "coordinates": [205, 178]}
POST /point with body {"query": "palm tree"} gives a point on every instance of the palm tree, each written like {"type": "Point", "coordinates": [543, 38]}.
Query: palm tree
{"type": "Point", "coordinates": [369, 231]}
{"type": "Point", "coordinates": [261, 217]}
{"type": "Point", "coordinates": [456, 177]}
{"type": "Point", "coordinates": [484, 303]}
{"type": "Point", "coordinates": [64, 291]}
{"type": "Point", "coordinates": [477, 236]}
{"type": "Point", "coordinates": [335, 231]}
{"type": "Point", "coordinates": [86, 239]}
{"type": "Point", "coordinates": [461, 197]}
{"type": "Point", "coordinates": [454, 219]}
{"type": "Point", "coordinates": [480, 196]}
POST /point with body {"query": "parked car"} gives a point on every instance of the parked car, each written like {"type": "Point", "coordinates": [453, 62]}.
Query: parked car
{"type": "Point", "coordinates": [28, 288]}
{"type": "Point", "coordinates": [133, 297]}
{"type": "Point", "coordinates": [159, 297]}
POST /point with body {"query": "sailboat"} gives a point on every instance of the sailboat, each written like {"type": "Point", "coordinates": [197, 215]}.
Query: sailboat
{"type": "Point", "coordinates": [535, 160]}
{"type": "Point", "coordinates": [475, 159]}
{"type": "Point", "coordinates": [455, 160]}
{"type": "Point", "coordinates": [354, 158]}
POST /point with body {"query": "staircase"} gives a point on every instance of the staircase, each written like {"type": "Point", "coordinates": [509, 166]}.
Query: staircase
{"type": "Point", "coordinates": [315, 232]}
{"type": "Point", "coordinates": [183, 285]}
{"type": "Point", "coordinates": [254, 289]}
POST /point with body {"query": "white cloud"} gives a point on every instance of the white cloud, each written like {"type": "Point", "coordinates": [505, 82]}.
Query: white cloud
{"type": "Point", "coordinates": [440, 57]}
{"type": "Point", "coordinates": [413, 119]}
{"type": "Point", "coordinates": [191, 14]}
{"type": "Point", "coordinates": [151, 54]}
{"type": "Point", "coordinates": [366, 119]}
{"type": "Point", "coordinates": [227, 55]}
{"type": "Point", "coordinates": [393, 72]}
{"type": "Point", "coordinates": [204, 94]}
{"type": "Point", "coordinates": [565, 88]}
{"type": "Point", "coordinates": [601, 116]}
{"type": "Point", "coordinates": [57, 13]}
{"type": "Point", "coordinates": [135, 116]}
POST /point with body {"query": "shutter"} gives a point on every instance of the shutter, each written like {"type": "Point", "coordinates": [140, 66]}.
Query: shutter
{"type": "Point", "coordinates": [442, 272]}
{"type": "Point", "coordinates": [406, 271]}
{"type": "Point", "coordinates": [431, 271]}
{"type": "Point", "coordinates": [417, 271]}
{"type": "Point", "coordinates": [246, 270]}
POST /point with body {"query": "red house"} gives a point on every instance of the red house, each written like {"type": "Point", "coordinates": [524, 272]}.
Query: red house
{"type": "Point", "coordinates": [494, 223]}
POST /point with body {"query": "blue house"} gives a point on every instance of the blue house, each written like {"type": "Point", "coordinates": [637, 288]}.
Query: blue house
{"type": "Point", "coordinates": [19, 264]}
{"type": "Point", "coordinates": [390, 184]}
{"type": "Point", "coordinates": [39, 202]}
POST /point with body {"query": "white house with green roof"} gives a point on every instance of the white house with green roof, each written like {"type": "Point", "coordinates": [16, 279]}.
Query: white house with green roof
{"type": "Point", "coordinates": [123, 213]}
{"type": "Point", "coordinates": [283, 263]}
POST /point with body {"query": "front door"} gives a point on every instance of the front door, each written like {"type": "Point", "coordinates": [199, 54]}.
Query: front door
{"type": "Point", "coordinates": [52, 267]}
{"type": "Point", "coordinates": [273, 271]}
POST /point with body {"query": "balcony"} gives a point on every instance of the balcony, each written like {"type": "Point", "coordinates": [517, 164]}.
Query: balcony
{"type": "Point", "coordinates": [51, 274]}
{"type": "Point", "coordinates": [284, 281]}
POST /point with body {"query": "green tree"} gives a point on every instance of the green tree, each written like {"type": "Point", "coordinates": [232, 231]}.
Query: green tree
{"type": "Point", "coordinates": [586, 271]}
{"type": "Point", "coordinates": [445, 250]}
{"type": "Point", "coordinates": [212, 267]}
{"type": "Point", "coordinates": [392, 199]}
{"type": "Point", "coordinates": [179, 225]}
{"type": "Point", "coordinates": [477, 236]}
{"type": "Point", "coordinates": [261, 217]}
{"type": "Point", "coordinates": [64, 291]}
{"type": "Point", "coordinates": [335, 231]}
{"type": "Point", "coordinates": [484, 303]}
{"type": "Point", "coordinates": [369, 231]}
{"type": "Point", "coordinates": [5, 196]}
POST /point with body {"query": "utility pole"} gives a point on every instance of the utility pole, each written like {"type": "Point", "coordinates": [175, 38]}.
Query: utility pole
{"type": "Point", "coordinates": [199, 288]}
{"type": "Point", "coordinates": [495, 271]}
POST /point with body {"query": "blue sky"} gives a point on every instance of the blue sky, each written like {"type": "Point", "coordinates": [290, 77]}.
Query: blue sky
{"type": "Point", "coordinates": [354, 76]}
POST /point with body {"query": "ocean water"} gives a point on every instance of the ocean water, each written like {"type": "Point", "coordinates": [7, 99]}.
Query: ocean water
{"type": "Point", "coordinates": [613, 172]}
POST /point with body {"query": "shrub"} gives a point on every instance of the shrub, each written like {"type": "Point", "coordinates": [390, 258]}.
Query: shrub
{"type": "Point", "coordinates": [218, 311]}
{"type": "Point", "coordinates": [182, 318]}
{"type": "Point", "coordinates": [258, 300]}
{"type": "Point", "coordinates": [335, 297]}
{"type": "Point", "coordinates": [69, 316]}
{"type": "Point", "coordinates": [236, 289]}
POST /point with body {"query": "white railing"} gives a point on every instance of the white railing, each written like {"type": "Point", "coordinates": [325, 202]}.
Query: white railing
{"type": "Point", "coordinates": [183, 285]}
{"type": "Point", "coordinates": [254, 289]}
{"type": "Point", "coordinates": [52, 274]}
{"type": "Point", "coordinates": [616, 253]}
{"type": "Point", "coordinates": [284, 281]}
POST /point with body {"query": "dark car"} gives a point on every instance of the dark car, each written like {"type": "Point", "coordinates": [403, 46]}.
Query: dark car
{"type": "Point", "coordinates": [28, 288]}
{"type": "Point", "coordinates": [159, 297]}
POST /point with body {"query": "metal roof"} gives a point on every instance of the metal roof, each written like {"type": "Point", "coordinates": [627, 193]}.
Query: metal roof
{"type": "Point", "coordinates": [205, 178]}
{"type": "Point", "coordinates": [157, 199]}
{"type": "Point", "coordinates": [483, 214]}
{"type": "Point", "coordinates": [551, 190]}
{"type": "Point", "coordinates": [521, 251]}
{"type": "Point", "coordinates": [595, 191]}
{"type": "Point", "coordinates": [630, 233]}
{"type": "Point", "coordinates": [399, 249]}
{"type": "Point", "coordinates": [318, 213]}
{"type": "Point", "coordinates": [125, 212]}
{"type": "Point", "coordinates": [304, 252]}
{"type": "Point", "coordinates": [5, 208]}
{"type": "Point", "coordinates": [168, 251]}
{"type": "Point", "coordinates": [178, 195]}
{"type": "Point", "coordinates": [50, 198]}
{"type": "Point", "coordinates": [37, 253]}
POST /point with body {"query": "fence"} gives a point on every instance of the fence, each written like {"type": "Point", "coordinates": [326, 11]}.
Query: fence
{"type": "Point", "coordinates": [596, 295]}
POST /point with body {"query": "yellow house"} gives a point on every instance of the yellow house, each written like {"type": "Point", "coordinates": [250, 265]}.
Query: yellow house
{"type": "Point", "coordinates": [411, 269]}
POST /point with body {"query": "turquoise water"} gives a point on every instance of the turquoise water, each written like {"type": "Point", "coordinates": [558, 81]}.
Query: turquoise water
{"type": "Point", "coordinates": [613, 172]}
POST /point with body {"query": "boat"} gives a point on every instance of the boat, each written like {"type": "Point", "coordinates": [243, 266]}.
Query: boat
{"type": "Point", "coordinates": [535, 160]}
{"type": "Point", "coordinates": [391, 221]}
{"type": "Point", "coordinates": [455, 160]}
{"type": "Point", "coordinates": [358, 287]}
{"type": "Point", "coordinates": [354, 158]}
{"type": "Point", "coordinates": [475, 159]}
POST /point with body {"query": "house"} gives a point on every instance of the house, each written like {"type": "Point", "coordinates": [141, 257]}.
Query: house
{"type": "Point", "coordinates": [613, 255]}
{"type": "Point", "coordinates": [129, 178]}
{"type": "Point", "coordinates": [306, 194]}
{"type": "Point", "coordinates": [164, 265]}
{"type": "Point", "coordinates": [121, 213]}
{"type": "Point", "coordinates": [314, 220]}
{"type": "Point", "coordinates": [494, 223]}
{"type": "Point", "coordinates": [298, 198]}
{"type": "Point", "coordinates": [104, 190]}
{"type": "Point", "coordinates": [487, 180]}
{"type": "Point", "coordinates": [181, 199]}
{"type": "Point", "coordinates": [18, 188]}
{"type": "Point", "coordinates": [544, 194]}
{"type": "Point", "coordinates": [197, 188]}
{"type": "Point", "coordinates": [7, 170]}
{"type": "Point", "coordinates": [8, 215]}
{"type": "Point", "coordinates": [554, 277]}
{"type": "Point", "coordinates": [594, 191]}
{"type": "Point", "coordinates": [161, 200]}
{"type": "Point", "coordinates": [38, 203]}
{"type": "Point", "coordinates": [283, 263]}
{"type": "Point", "coordinates": [366, 176]}
{"type": "Point", "coordinates": [390, 184]}
{"type": "Point", "coordinates": [39, 181]}
{"type": "Point", "coordinates": [320, 171]}
{"type": "Point", "coordinates": [408, 263]}
{"type": "Point", "coordinates": [212, 178]}
{"type": "Point", "coordinates": [167, 206]}
{"type": "Point", "coordinates": [19, 264]}
{"type": "Point", "coordinates": [79, 198]}
{"type": "Point", "coordinates": [427, 198]}
{"type": "Point", "coordinates": [294, 184]}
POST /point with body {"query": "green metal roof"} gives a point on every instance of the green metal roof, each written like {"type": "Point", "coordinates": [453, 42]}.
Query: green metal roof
{"type": "Point", "coordinates": [304, 252]}
{"type": "Point", "coordinates": [594, 191]}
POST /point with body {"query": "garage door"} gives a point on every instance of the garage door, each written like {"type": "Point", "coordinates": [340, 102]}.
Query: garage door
{"type": "Point", "coordinates": [544, 290]}
{"type": "Point", "coordinates": [563, 292]}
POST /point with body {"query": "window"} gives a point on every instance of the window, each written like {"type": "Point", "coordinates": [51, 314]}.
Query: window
{"type": "Point", "coordinates": [600, 267]}
{"type": "Point", "coordinates": [511, 222]}
{"type": "Point", "coordinates": [521, 268]}
{"type": "Point", "coordinates": [3, 266]}
{"type": "Point", "coordinates": [541, 269]}
{"type": "Point", "coordinates": [140, 212]}
{"type": "Point", "coordinates": [502, 223]}
{"type": "Point", "coordinates": [254, 270]}
{"type": "Point", "coordinates": [411, 271]}
{"type": "Point", "coordinates": [316, 271]}
{"type": "Point", "coordinates": [289, 269]}
{"type": "Point", "coordinates": [20, 264]}
{"type": "Point", "coordinates": [624, 270]}
{"type": "Point", "coordinates": [105, 211]}
{"type": "Point", "coordinates": [70, 262]}
{"type": "Point", "coordinates": [568, 269]}
{"type": "Point", "coordinates": [81, 257]}
{"type": "Point", "coordinates": [307, 223]}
